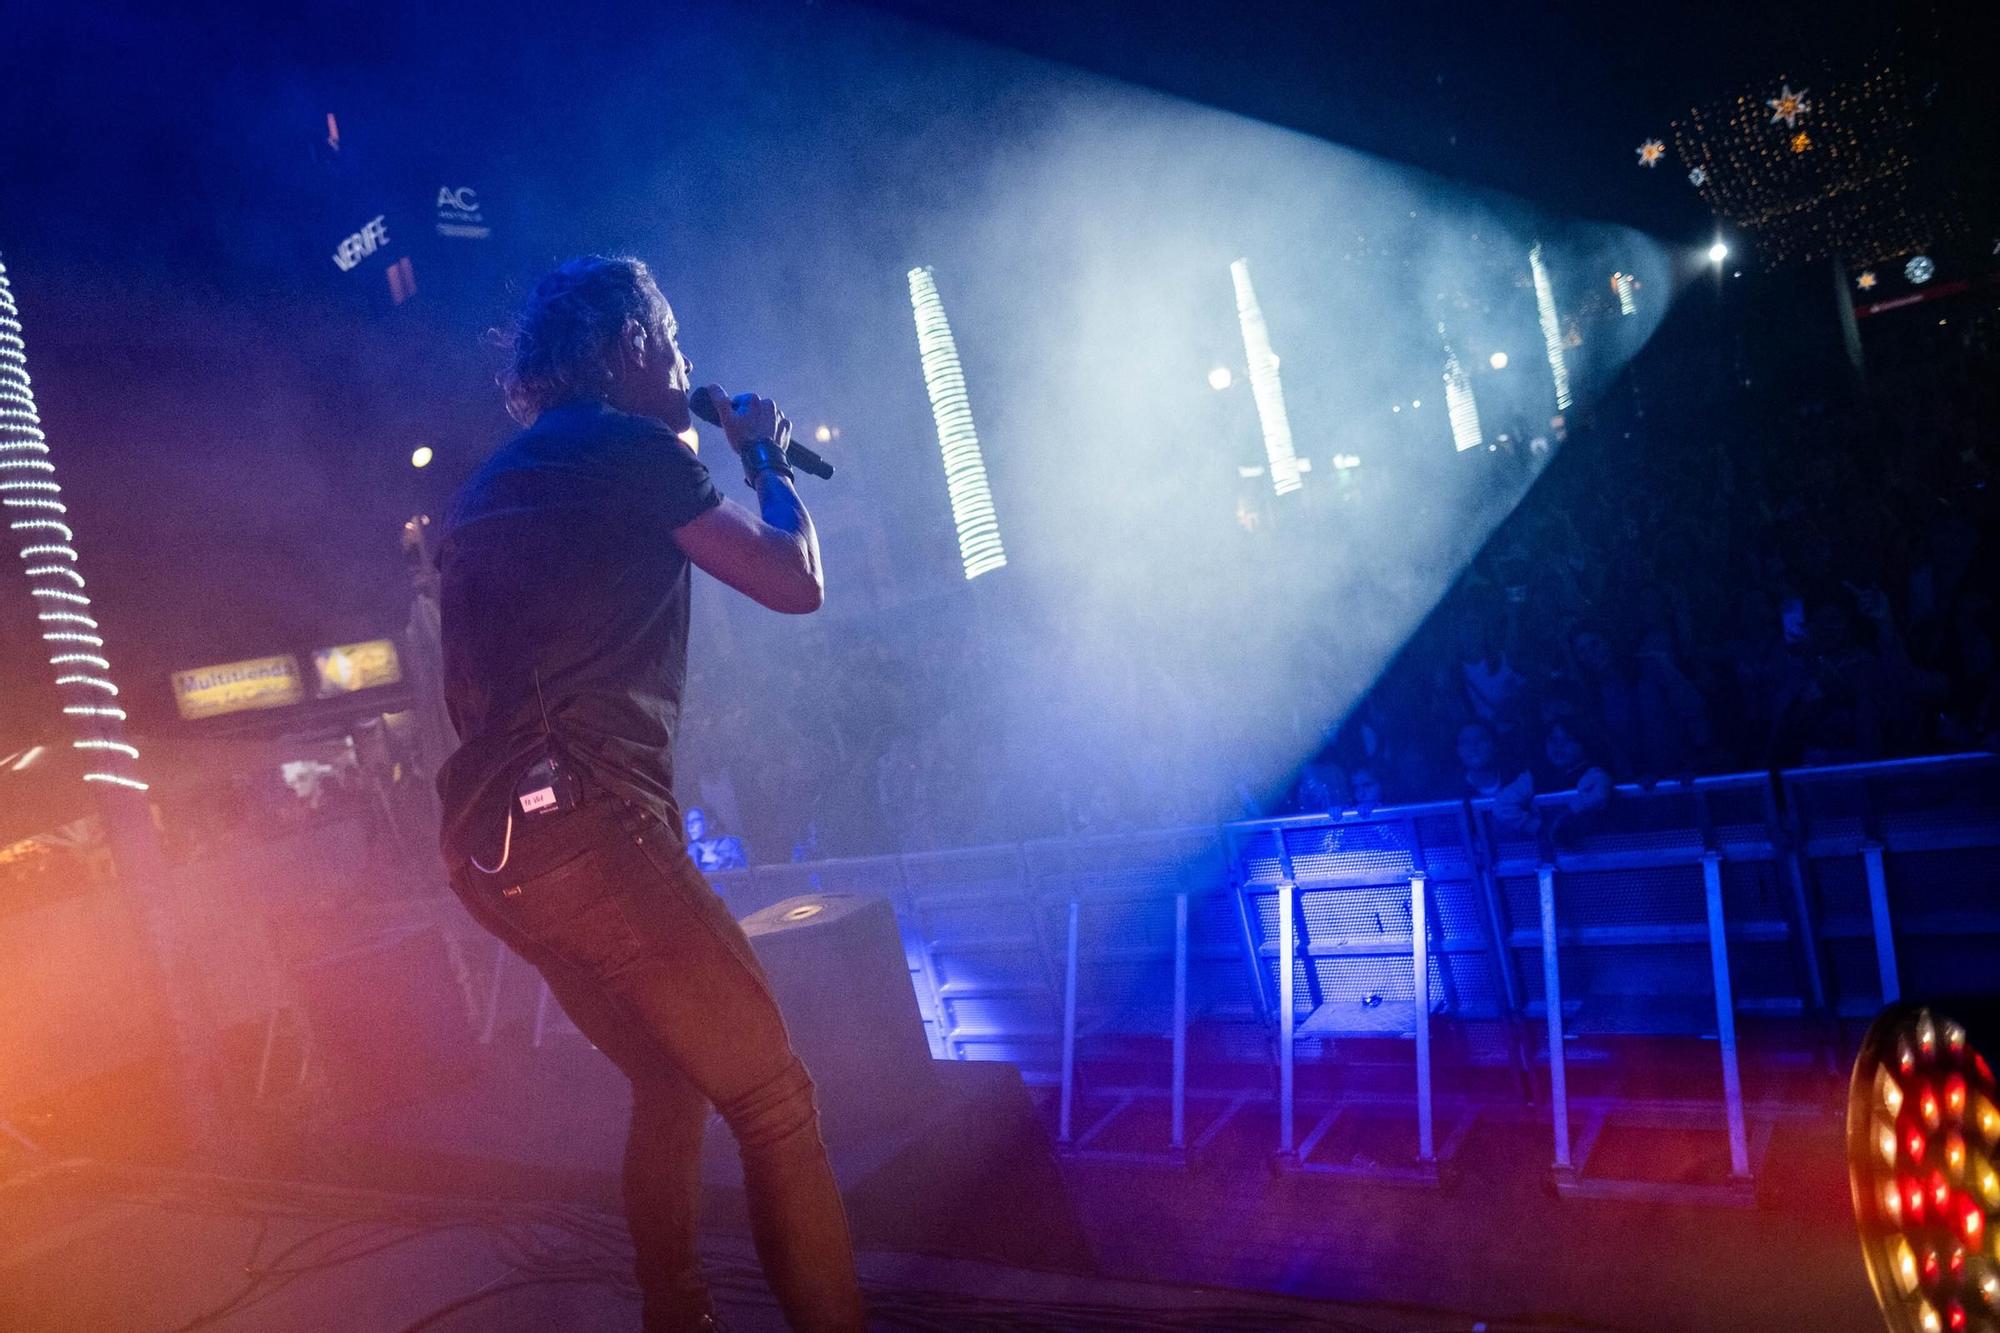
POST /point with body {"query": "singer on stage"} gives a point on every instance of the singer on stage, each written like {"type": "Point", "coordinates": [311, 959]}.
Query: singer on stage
{"type": "Point", "coordinates": [565, 606]}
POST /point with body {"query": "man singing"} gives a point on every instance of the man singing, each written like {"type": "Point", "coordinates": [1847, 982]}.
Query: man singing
{"type": "Point", "coordinates": [565, 606]}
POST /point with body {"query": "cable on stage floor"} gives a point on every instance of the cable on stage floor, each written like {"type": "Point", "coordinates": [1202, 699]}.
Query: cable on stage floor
{"type": "Point", "coordinates": [544, 1243]}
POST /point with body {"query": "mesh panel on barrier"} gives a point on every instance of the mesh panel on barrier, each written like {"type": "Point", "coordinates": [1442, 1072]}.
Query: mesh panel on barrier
{"type": "Point", "coordinates": [1639, 896]}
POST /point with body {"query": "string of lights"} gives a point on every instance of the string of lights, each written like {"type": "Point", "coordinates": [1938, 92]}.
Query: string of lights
{"type": "Point", "coordinates": [29, 494]}
{"type": "Point", "coordinates": [1459, 404]}
{"type": "Point", "coordinates": [1265, 387]}
{"type": "Point", "coordinates": [1552, 334]}
{"type": "Point", "coordinates": [972, 511]}
{"type": "Point", "coordinates": [1812, 177]}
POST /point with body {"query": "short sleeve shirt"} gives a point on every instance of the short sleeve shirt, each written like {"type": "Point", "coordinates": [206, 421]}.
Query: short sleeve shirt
{"type": "Point", "coordinates": [565, 614]}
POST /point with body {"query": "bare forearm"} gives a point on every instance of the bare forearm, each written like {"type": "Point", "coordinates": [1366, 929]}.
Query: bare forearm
{"type": "Point", "coordinates": [778, 504]}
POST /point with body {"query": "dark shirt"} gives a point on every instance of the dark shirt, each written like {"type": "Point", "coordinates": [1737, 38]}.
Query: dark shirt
{"type": "Point", "coordinates": [565, 606]}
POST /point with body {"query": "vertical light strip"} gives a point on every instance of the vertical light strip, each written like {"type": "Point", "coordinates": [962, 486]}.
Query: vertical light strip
{"type": "Point", "coordinates": [1264, 384]}
{"type": "Point", "coordinates": [1622, 282]}
{"type": "Point", "coordinates": [1545, 303]}
{"type": "Point", "coordinates": [964, 466]}
{"type": "Point", "coordinates": [1459, 402]}
{"type": "Point", "coordinates": [31, 500]}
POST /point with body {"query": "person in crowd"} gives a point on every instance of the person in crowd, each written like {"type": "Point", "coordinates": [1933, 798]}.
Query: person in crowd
{"type": "Point", "coordinates": [711, 852]}
{"type": "Point", "coordinates": [1480, 774]}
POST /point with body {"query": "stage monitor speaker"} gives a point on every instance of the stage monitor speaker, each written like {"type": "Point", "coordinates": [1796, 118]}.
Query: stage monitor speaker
{"type": "Point", "coordinates": [837, 966]}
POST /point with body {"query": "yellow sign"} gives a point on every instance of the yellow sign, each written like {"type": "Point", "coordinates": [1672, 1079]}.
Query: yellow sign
{"type": "Point", "coordinates": [357, 666]}
{"type": "Point", "coordinates": [235, 687]}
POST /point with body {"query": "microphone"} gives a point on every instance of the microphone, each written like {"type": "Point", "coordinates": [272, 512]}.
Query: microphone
{"type": "Point", "coordinates": [702, 404]}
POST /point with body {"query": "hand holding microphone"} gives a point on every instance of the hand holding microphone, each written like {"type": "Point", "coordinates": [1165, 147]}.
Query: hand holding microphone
{"type": "Point", "coordinates": [747, 420]}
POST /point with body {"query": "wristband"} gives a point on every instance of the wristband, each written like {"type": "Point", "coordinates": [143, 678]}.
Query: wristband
{"type": "Point", "coordinates": [760, 456]}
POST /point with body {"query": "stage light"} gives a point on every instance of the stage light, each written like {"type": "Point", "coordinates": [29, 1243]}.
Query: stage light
{"type": "Point", "coordinates": [1552, 338]}
{"type": "Point", "coordinates": [1925, 1199]}
{"type": "Point", "coordinates": [1220, 378]}
{"type": "Point", "coordinates": [972, 509]}
{"type": "Point", "coordinates": [1498, 361]}
{"type": "Point", "coordinates": [422, 456]}
{"type": "Point", "coordinates": [823, 435]}
{"type": "Point", "coordinates": [1717, 253]}
{"type": "Point", "coordinates": [29, 500]}
{"type": "Point", "coordinates": [1265, 387]}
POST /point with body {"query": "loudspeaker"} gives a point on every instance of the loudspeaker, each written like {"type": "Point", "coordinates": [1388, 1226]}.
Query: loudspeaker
{"type": "Point", "coordinates": [837, 967]}
{"type": "Point", "coordinates": [943, 1156]}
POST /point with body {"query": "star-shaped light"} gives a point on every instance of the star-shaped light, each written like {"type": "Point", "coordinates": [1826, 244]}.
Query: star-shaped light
{"type": "Point", "coordinates": [1801, 142]}
{"type": "Point", "coordinates": [1699, 176]}
{"type": "Point", "coordinates": [1650, 153]}
{"type": "Point", "coordinates": [1866, 282]}
{"type": "Point", "coordinates": [1788, 106]}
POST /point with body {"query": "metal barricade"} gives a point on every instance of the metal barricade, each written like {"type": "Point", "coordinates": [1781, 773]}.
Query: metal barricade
{"type": "Point", "coordinates": [1127, 907]}
{"type": "Point", "coordinates": [1901, 854]}
{"type": "Point", "coordinates": [1662, 914]}
{"type": "Point", "coordinates": [1348, 937]}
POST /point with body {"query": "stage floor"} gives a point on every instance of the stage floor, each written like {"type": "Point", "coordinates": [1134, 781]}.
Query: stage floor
{"type": "Point", "coordinates": [1227, 1240]}
{"type": "Point", "coordinates": [105, 1257]}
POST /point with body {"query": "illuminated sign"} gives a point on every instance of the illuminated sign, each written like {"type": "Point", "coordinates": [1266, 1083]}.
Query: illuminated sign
{"type": "Point", "coordinates": [357, 666]}
{"type": "Point", "coordinates": [235, 687]}
{"type": "Point", "coordinates": [374, 234]}
{"type": "Point", "coordinates": [458, 213]}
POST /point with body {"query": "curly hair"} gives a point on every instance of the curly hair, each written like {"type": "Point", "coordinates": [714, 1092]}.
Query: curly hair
{"type": "Point", "coordinates": [565, 340]}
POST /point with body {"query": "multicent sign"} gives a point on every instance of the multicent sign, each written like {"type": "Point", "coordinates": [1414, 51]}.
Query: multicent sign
{"type": "Point", "coordinates": [235, 687]}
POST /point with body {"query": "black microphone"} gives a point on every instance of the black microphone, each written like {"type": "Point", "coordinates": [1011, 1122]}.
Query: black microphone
{"type": "Point", "coordinates": [702, 404]}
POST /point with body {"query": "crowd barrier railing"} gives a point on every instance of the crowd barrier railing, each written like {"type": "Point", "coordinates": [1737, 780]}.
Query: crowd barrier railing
{"type": "Point", "coordinates": [1537, 934]}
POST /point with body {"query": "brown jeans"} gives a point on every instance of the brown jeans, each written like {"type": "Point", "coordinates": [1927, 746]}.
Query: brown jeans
{"type": "Point", "coordinates": [650, 966]}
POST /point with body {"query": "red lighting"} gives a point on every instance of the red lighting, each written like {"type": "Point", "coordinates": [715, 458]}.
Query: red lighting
{"type": "Point", "coordinates": [1954, 1315]}
{"type": "Point", "coordinates": [1913, 1200]}
{"type": "Point", "coordinates": [1913, 1143]}
{"type": "Point", "coordinates": [1979, 1063]}
{"type": "Point", "coordinates": [1940, 1190]}
{"type": "Point", "coordinates": [1957, 1264]}
{"type": "Point", "coordinates": [1972, 1220]}
{"type": "Point", "coordinates": [1930, 1266]}
{"type": "Point", "coordinates": [1954, 1095]}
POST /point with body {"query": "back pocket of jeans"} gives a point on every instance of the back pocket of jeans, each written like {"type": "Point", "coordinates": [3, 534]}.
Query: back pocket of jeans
{"type": "Point", "coordinates": [571, 910]}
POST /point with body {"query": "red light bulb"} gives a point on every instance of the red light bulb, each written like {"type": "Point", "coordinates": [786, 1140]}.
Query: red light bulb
{"type": "Point", "coordinates": [1972, 1221]}
{"type": "Point", "coordinates": [1954, 1315]}
{"type": "Point", "coordinates": [1954, 1096]}
{"type": "Point", "coordinates": [1927, 1104]}
{"type": "Point", "coordinates": [1957, 1263]}
{"type": "Point", "coordinates": [1913, 1143]}
{"type": "Point", "coordinates": [1930, 1266]}
{"type": "Point", "coordinates": [1979, 1063]}
{"type": "Point", "coordinates": [1940, 1190]}
{"type": "Point", "coordinates": [1913, 1200]}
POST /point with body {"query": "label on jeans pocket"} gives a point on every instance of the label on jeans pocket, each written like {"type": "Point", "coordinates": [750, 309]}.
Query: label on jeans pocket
{"type": "Point", "coordinates": [538, 800]}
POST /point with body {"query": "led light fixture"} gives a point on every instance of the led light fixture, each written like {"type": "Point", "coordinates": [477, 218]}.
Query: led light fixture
{"type": "Point", "coordinates": [1923, 1134]}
